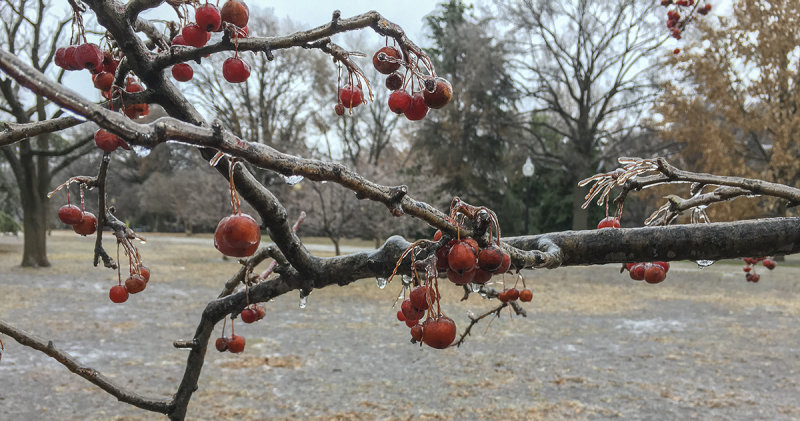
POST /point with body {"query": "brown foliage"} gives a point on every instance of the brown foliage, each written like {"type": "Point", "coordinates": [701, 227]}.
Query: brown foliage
{"type": "Point", "coordinates": [733, 104]}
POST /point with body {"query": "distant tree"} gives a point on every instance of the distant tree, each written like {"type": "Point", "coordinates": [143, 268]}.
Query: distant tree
{"type": "Point", "coordinates": [586, 69]}
{"type": "Point", "coordinates": [733, 104]}
{"type": "Point", "coordinates": [36, 159]}
{"type": "Point", "coordinates": [468, 143]}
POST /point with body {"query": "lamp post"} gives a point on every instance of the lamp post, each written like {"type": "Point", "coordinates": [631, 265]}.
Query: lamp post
{"type": "Point", "coordinates": [528, 170]}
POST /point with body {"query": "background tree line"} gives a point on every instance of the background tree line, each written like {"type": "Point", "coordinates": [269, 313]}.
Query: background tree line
{"type": "Point", "coordinates": [570, 85]}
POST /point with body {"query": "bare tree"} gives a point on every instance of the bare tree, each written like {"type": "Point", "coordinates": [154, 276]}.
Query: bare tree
{"type": "Point", "coordinates": [588, 72]}
{"type": "Point", "coordinates": [295, 267]}
{"type": "Point", "coordinates": [41, 152]}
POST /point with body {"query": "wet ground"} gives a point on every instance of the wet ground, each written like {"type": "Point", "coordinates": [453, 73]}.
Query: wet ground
{"type": "Point", "coordinates": [705, 344]}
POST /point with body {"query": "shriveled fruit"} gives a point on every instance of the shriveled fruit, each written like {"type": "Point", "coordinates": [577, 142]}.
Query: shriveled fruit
{"type": "Point", "coordinates": [135, 284]}
{"type": "Point", "coordinates": [118, 294]}
{"type": "Point", "coordinates": [221, 344]}
{"type": "Point", "coordinates": [89, 56]}
{"type": "Point", "coordinates": [70, 59]}
{"type": "Point", "coordinates": [525, 295]}
{"type": "Point", "coordinates": [637, 272]}
{"type": "Point", "coordinates": [182, 72]}
{"type": "Point", "coordinates": [237, 235]}
{"type": "Point", "coordinates": [769, 264]}
{"type": "Point", "coordinates": [248, 315]}
{"type": "Point", "coordinates": [654, 274]}
{"type": "Point", "coordinates": [70, 214]}
{"type": "Point", "coordinates": [87, 224]}
{"type": "Point", "coordinates": [236, 344]}
{"type": "Point", "coordinates": [235, 12]}
{"type": "Point", "coordinates": [394, 81]}
{"type": "Point", "coordinates": [399, 101]}
{"type": "Point", "coordinates": [439, 333]}
{"type": "Point", "coordinates": [441, 94]}
{"type": "Point", "coordinates": [417, 332]}
{"type": "Point", "coordinates": [608, 222]}
{"type": "Point", "coordinates": [490, 258]}
{"type": "Point", "coordinates": [338, 109]}
{"type": "Point", "coordinates": [235, 70]}
{"type": "Point", "coordinates": [417, 110]}
{"type": "Point", "coordinates": [350, 96]}
{"type": "Point", "coordinates": [208, 17]}
{"type": "Point", "coordinates": [386, 60]}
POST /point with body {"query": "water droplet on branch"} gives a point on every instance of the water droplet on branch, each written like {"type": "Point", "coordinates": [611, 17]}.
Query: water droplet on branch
{"type": "Point", "coordinates": [381, 282]}
{"type": "Point", "coordinates": [705, 263]}
{"type": "Point", "coordinates": [293, 179]}
{"type": "Point", "coordinates": [140, 151]}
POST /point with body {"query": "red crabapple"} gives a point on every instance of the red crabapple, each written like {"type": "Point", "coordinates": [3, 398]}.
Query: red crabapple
{"type": "Point", "coordinates": [235, 70]}
{"type": "Point", "coordinates": [118, 294]}
{"type": "Point", "coordinates": [87, 224]}
{"type": "Point", "coordinates": [70, 214]}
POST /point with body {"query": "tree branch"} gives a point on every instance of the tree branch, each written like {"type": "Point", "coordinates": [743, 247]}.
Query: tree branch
{"type": "Point", "coordinates": [88, 373]}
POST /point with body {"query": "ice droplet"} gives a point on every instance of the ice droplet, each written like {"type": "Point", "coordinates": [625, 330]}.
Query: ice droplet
{"type": "Point", "coordinates": [705, 263]}
{"type": "Point", "coordinates": [475, 287]}
{"type": "Point", "coordinates": [140, 151]}
{"type": "Point", "coordinates": [293, 179]}
{"type": "Point", "coordinates": [407, 280]}
{"type": "Point", "coordinates": [402, 295]}
{"type": "Point", "coordinates": [303, 299]}
{"type": "Point", "coordinates": [381, 282]}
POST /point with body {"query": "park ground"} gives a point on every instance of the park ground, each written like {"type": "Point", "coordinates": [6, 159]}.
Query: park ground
{"type": "Point", "coordinates": [704, 345]}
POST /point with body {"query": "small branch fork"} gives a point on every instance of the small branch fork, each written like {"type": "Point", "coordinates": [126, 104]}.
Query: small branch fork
{"type": "Point", "coordinates": [638, 174]}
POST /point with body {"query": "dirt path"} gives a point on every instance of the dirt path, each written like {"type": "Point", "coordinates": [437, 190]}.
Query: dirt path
{"type": "Point", "coordinates": [702, 345]}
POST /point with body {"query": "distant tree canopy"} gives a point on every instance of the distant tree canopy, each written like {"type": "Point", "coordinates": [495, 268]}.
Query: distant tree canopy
{"type": "Point", "coordinates": [733, 104]}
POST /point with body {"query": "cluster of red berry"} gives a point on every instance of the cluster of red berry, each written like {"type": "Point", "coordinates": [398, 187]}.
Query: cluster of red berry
{"type": "Point", "coordinates": [252, 313]}
{"type": "Point", "coordinates": [750, 267]}
{"type": "Point", "coordinates": [136, 282]}
{"type": "Point", "coordinates": [209, 18]}
{"type": "Point", "coordinates": [437, 330]}
{"type": "Point", "coordinates": [650, 272]}
{"type": "Point", "coordinates": [676, 22]}
{"type": "Point", "coordinates": [512, 294]}
{"type": "Point", "coordinates": [427, 91]}
{"type": "Point", "coordinates": [465, 262]}
{"type": "Point", "coordinates": [83, 223]}
{"type": "Point", "coordinates": [233, 343]}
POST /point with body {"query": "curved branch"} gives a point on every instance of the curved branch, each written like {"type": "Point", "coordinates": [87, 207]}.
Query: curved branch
{"type": "Point", "coordinates": [13, 132]}
{"type": "Point", "coordinates": [88, 373]}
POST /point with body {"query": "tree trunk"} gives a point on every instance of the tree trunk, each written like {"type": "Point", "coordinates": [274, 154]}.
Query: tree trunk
{"type": "Point", "coordinates": [580, 217]}
{"type": "Point", "coordinates": [335, 241]}
{"type": "Point", "coordinates": [34, 225]}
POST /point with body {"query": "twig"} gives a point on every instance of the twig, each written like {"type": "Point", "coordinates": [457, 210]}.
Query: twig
{"type": "Point", "coordinates": [90, 374]}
